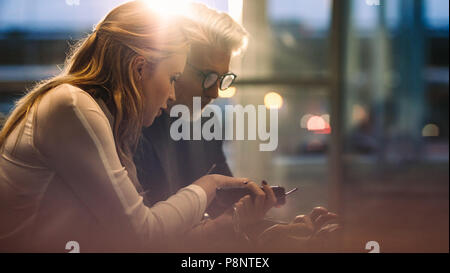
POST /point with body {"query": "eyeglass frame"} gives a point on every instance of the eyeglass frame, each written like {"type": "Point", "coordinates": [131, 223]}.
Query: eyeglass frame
{"type": "Point", "coordinates": [219, 77]}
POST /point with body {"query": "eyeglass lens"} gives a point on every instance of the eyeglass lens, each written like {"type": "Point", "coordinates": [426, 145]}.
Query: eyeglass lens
{"type": "Point", "coordinates": [226, 82]}
{"type": "Point", "coordinates": [210, 80]}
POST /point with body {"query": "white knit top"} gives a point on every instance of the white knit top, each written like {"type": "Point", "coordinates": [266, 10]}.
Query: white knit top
{"type": "Point", "coordinates": [61, 180]}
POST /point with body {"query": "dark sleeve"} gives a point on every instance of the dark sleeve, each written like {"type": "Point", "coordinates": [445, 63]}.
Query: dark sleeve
{"type": "Point", "coordinates": [220, 160]}
{"type": "Point", "coordinates": [150, 171]}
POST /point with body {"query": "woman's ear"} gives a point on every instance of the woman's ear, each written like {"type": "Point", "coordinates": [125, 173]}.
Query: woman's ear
{"type": "Point", "coordinates": [138, 67]}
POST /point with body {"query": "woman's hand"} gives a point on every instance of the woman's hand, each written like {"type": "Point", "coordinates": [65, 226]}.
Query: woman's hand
{"type": "Point", "coordinates": [209, 183]}
{"type": "Point", "coordinates": [249, 211]}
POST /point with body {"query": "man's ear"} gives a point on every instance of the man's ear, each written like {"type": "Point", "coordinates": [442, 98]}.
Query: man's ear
{"type": "Point", "coordinates": [138, 67]}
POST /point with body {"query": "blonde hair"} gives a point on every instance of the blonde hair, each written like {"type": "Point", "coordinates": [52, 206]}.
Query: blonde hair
{"type": "Point", "coordinates": [101, 64]}
{"type": "Point", "coordinates": [216, 29]}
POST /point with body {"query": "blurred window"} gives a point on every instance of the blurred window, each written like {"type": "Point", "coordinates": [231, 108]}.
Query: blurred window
{"type": "Point", "coordinates": [52, 16]}
{"type": "Point", "coordinates": [300, 30]}
{"type": "Point", "coordinates": [436, 14]}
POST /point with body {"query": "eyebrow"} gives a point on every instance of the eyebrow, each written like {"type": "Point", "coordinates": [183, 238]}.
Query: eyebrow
{"type": "Point", "coordinates": [206, 71]}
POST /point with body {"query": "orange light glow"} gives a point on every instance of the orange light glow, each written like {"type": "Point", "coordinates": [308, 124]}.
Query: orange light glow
{"type": "Point", "coordinates": [227, 93]}
{"type": "Point", "coordinates": [273, 100]}
{"type": "Point", "coordinates": [430, 130]}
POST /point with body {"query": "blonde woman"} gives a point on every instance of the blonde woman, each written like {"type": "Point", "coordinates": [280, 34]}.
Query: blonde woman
{"type": "Point", "coordinates": [66, 169]}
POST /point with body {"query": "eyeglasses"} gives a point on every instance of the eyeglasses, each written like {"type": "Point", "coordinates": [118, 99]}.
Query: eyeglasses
{"type": "Point", "coordinates": [210, 79]}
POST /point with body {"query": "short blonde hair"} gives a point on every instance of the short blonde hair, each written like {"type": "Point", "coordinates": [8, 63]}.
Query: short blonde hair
{"type": "Point", "coordinates": [216, 29]}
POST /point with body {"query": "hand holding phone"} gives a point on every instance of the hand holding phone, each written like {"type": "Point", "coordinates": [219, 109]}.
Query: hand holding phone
{"type": "Point", "coordinates": [227, 196]}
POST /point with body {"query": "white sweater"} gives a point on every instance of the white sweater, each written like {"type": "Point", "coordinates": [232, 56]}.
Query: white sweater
{"type": "Point", "coordinates": [61, 180]}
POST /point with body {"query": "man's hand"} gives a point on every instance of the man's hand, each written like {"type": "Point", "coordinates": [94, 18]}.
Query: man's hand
{"type": "Point", "coordinates": [305, 231]}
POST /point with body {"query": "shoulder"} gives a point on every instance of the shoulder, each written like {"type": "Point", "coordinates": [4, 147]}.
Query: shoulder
{"type": "Point", "coordinates": [68, 95]}
{"type": "Point", "coordinates": [68, 98]}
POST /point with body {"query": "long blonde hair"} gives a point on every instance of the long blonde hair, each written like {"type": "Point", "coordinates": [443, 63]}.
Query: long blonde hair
{"type": "Point", "coordinates": [101, 64]}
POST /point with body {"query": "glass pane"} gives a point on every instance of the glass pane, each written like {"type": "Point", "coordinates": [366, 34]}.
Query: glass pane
{"type": "Point", "coordinates": [295, 42]}
{"type": "Point", "coordinates": [396, 126]}
{"type": "Point", "coordinates": [436, 14]}
{"type": "Point", "coordinates": [300, 160]}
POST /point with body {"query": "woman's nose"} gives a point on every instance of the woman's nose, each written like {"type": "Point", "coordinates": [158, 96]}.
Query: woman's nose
{"type": "Point", "coordinates": [172, 96]}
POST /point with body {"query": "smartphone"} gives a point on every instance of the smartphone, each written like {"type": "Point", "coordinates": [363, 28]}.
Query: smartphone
{"type": "Point", "coordinates": [227, 196]}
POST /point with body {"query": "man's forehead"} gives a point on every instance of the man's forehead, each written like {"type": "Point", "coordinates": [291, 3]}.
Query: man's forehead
{"type": "Point", "coordinates": [210, 58]}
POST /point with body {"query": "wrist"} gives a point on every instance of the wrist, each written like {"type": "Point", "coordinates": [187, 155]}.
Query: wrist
{"type": "Point", "coordinates": [208, 184]}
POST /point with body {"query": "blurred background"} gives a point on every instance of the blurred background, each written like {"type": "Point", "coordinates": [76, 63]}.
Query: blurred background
{"type": "Point", "coordinates": [362, 88]}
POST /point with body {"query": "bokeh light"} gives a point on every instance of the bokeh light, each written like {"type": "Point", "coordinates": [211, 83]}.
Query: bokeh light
{"type": "Point", "coordinates": [273, 100]}
{"type": "Point", "coordinates": [227, 93]}
{"type": "Point", "coordinates": [316, 123]}
{"type": "Point", "coordinates": [359, 114]}
{"type": "Point", "coordinates": [430, 130]}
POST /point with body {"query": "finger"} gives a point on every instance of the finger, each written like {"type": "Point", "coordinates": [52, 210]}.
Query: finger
{"type": "Point", "coordinates": [299, 219]}
{"type": "Point", "coordinates": [327, 231]}
{"type": "Point", "coordinates": [238, 210]}
{"type": "Point", "coordinates": [247, 207]}
{"type": "Point", "coordinates": [260, 197]}
{"type": "Point", "coordinates": [330, 228]}
{"type": "Point", "coordinates": [316, 212]}
{"type": "Point", "coordinates": [323, 219]}
{"type": "Point", "coordinates": [298, 240]}
{"type": "Point", "coordinates": [304, 219]}
{"type": "Point", "coordinates": [227, 181]}
{"type": "Point", "coordinates": [308, 222]}
{"type": "Point", "coordinates": [277, 228]}
{"type": "Point", "coordinates": [272, 233]}
{"type": "Point", "coordinates": [260, 204]}
{"type": "Point", "coordinates": [300, 230]}
{"type": "Point", "coordinates": [271, 200]}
